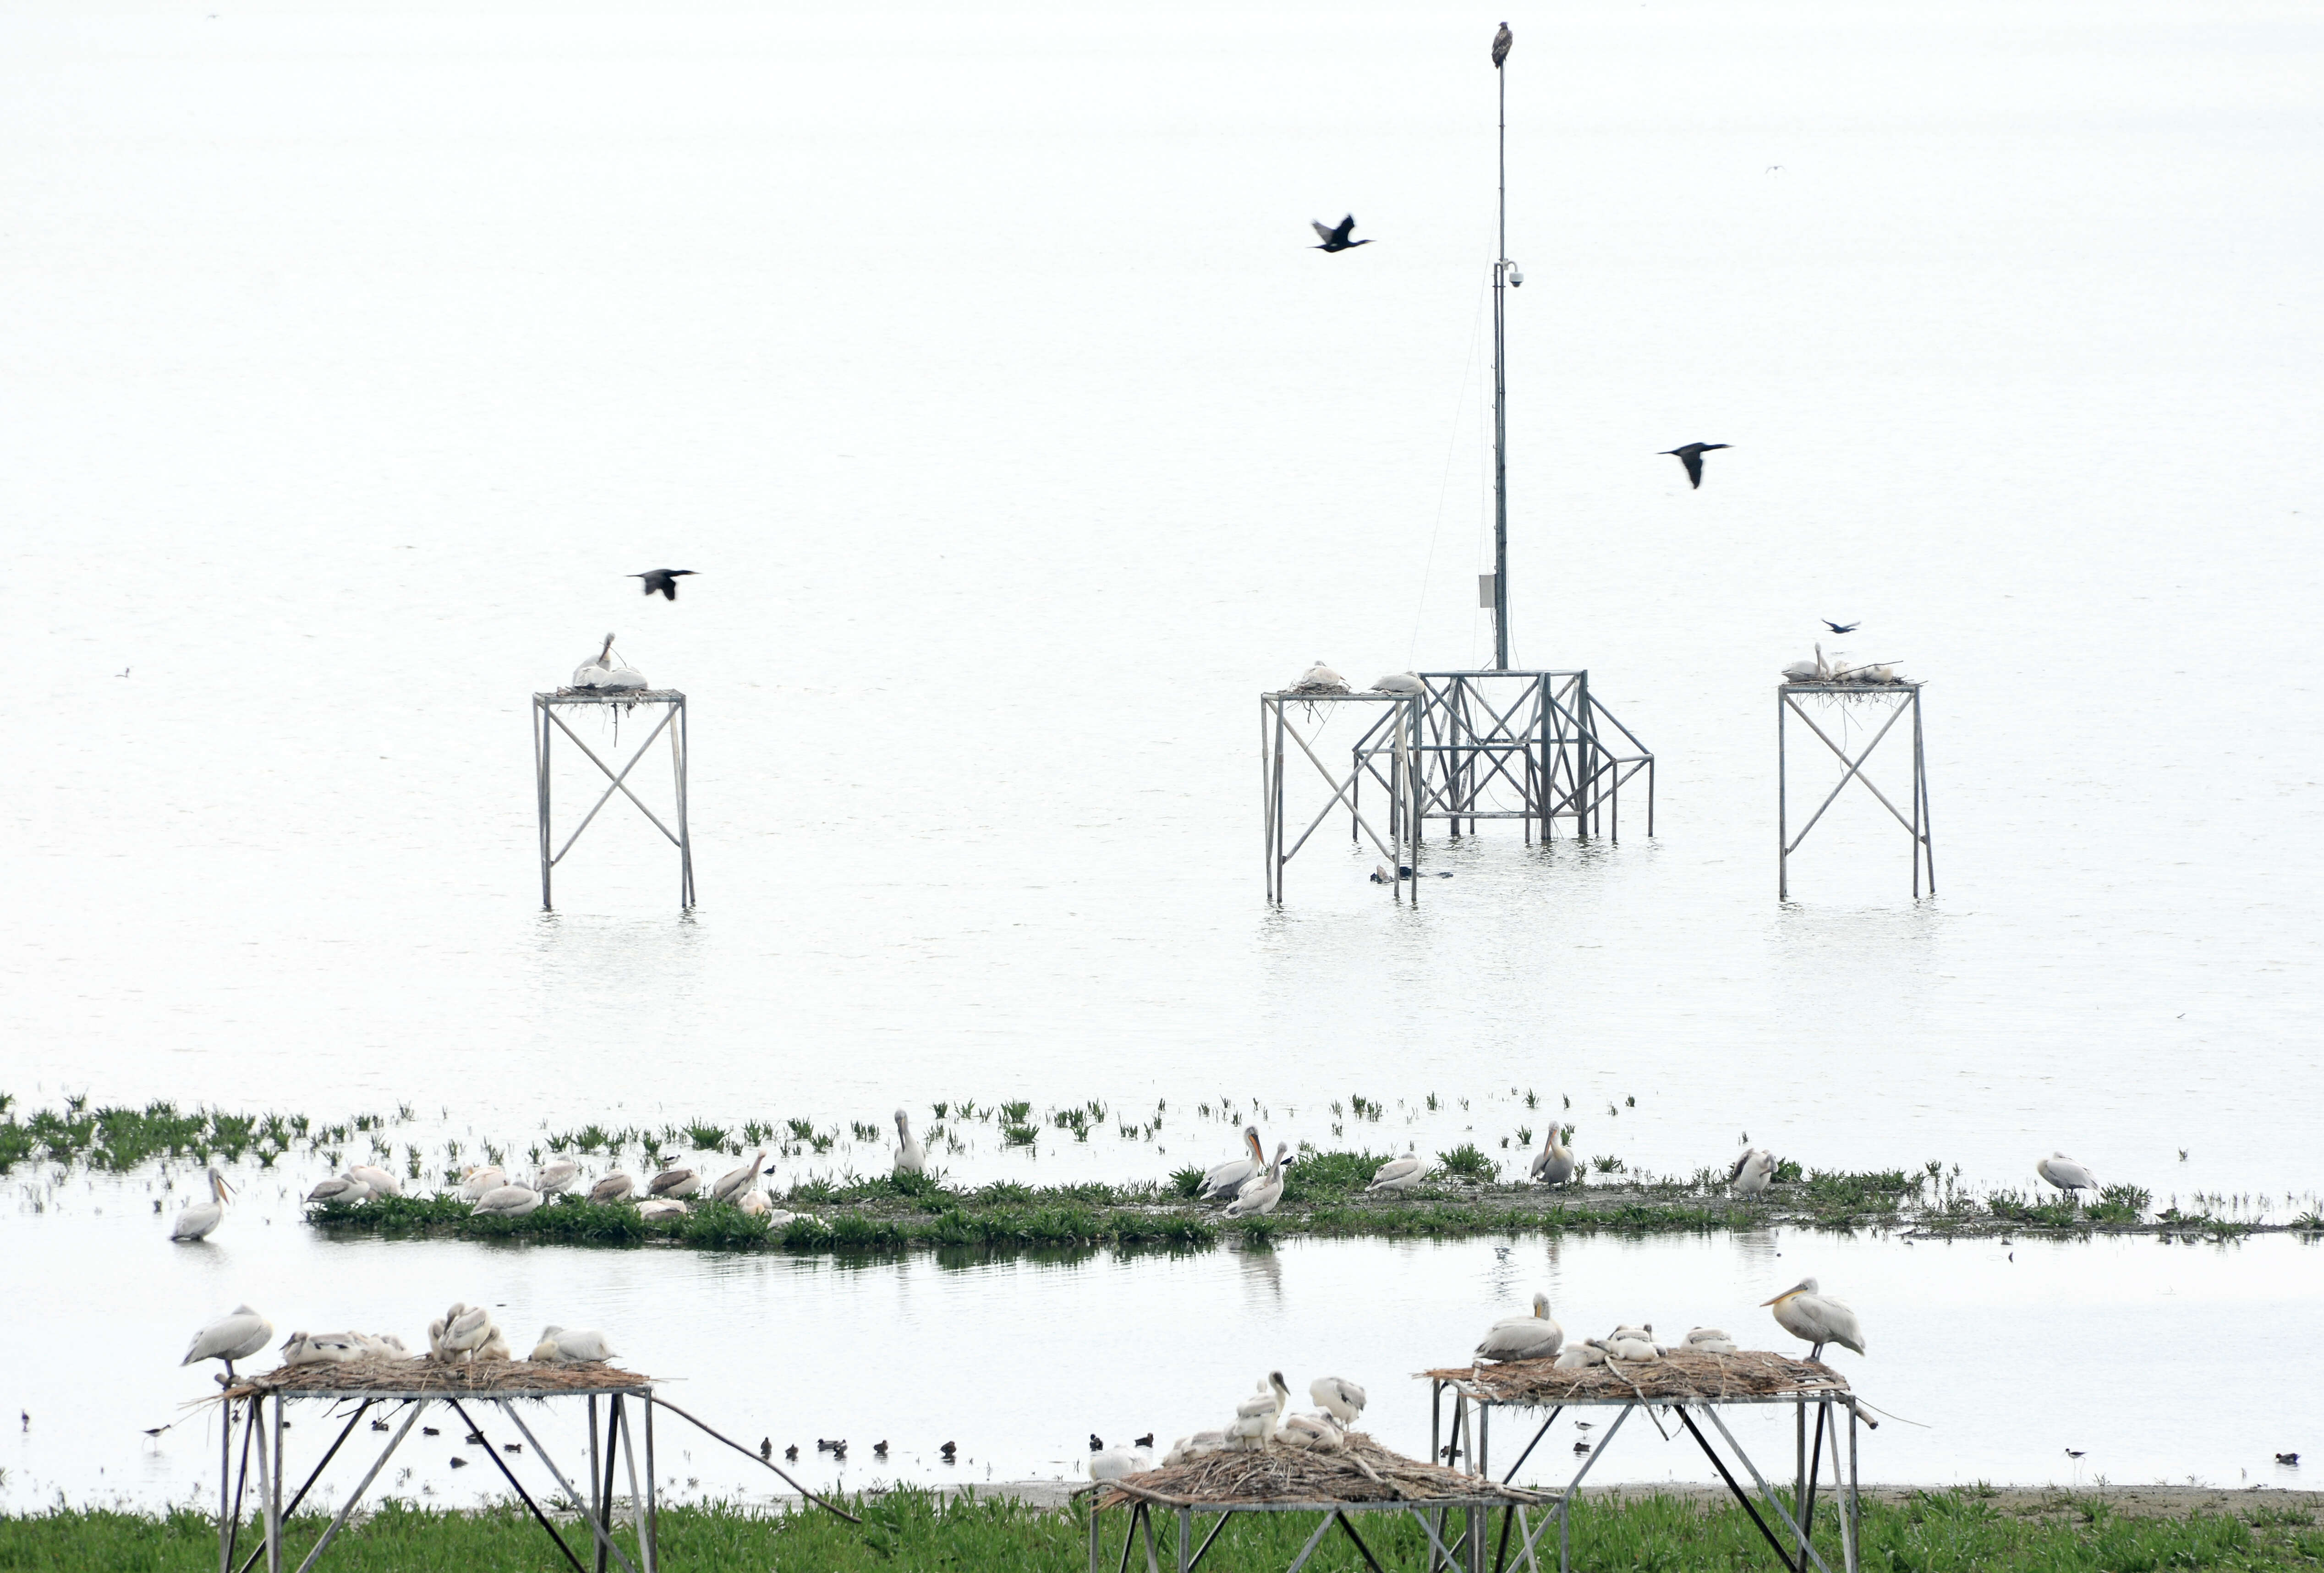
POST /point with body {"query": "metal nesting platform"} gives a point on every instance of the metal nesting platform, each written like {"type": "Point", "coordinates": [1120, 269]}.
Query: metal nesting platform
{"type": "Point", "coordinates": [1906, 698]}
{"type": "Point", "coordinates": [548, 720]}
{"type": "Point", "coordinates": [410, 1387]}
{"type": "Point", "coordinates": [1682, 1386]}
{"type": "Point", "coordinates": [1363, 1478]}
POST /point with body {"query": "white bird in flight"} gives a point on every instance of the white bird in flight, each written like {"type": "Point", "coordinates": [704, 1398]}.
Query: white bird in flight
{"type": "Point", "coordinates": [1399, 1173]}
{"type": "Point", "coordinates": [1523, 1338]}
{"type": "Point", "coordinates": [232, 1337]}
{"type": "Point", "coordinates": [197, 1221]}
{"type": "Point", "coordinates": [2066, 1174]}
{"type": "Point", "coordinates": [1803, 1312]}
{"type": "Point", "coordinates": [910, 1156]}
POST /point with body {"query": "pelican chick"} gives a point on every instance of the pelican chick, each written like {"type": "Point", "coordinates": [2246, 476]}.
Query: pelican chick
{"type": "Point", "coordinates": [1257, 1418]}
{"type": "Point", "coordinates": [507, 1202]}
{"type": "Point", "coordinates": [911, 1158]}
{"type": "Point", "coordinates": [1804, 1312]}
{"type": "Point", "coordinates": [231, 1337]}
{"type": "Point", "coordinates": [1704, 1340]}
{"type": "Point", "coordinates": [1523, 1338]}
{"type": "Point", "coordinates": [615, 1187]}
{"type": "Point", "coordinates": [1399, 1173]}
{"type": "Point", "coordinates": [1342, 1399]}
{"type": "Point", "coordinates": [1623, 1346]}
{"type": "Point", "coordinates": [197, 1221]}
{"type": "Point", "coordinates": [1317, 1433]}
{"type": "Point", "coordinates": [1553, 1164]}
{"type": "Point", "coordinates": [2066, 1174]}
{"type": "Point", "coordinates": [1114, 1463]}
{"type": "Point", "coordinates": [732, 1183]}
{"type": "Point", "coordinates": [1588, 1352]}
{"type": "Point", "coordinates": [1194, 1446]}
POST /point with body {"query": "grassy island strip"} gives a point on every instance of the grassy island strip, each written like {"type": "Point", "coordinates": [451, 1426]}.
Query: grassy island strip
{"type": "Point", "coordinates": [1925, 1531]}
{"type": "Point", "coordinates": [1324, 1198]}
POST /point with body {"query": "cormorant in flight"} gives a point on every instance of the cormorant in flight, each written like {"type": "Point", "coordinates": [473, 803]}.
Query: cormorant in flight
{"type": "Point", "coordinates": [1839, 627]}
{"type": "Point", "coordinates": [664, 580]}
{"type": "Point", "coordinates": [1690, 455]}
{"type": "Point", "coordinates": [1336, 240]}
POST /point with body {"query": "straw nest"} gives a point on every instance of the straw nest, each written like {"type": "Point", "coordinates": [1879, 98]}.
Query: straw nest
{"type": "Point", "coordinates": [385, 1373]}
{"type": "Point", "coordinates": [1672, 1379]}
{"type": "Point", "coordinates": [1365, 1472]}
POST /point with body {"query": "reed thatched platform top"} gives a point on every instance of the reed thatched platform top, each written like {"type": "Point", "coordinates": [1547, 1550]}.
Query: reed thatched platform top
{"type": "Point", "coordinates": [383, 1376]}
{"type": "Point", "coordinates": [1747, 1376]}
{"type": "Point", "coordinates": [1365, 1473]}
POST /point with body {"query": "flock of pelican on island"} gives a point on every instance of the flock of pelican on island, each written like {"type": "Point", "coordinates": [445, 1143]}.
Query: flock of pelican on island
{"type": "Point", "coordinates": [1250, 1185]}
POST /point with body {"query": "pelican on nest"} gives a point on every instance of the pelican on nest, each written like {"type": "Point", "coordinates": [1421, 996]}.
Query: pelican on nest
{"type": "Point", "coordinates": [1523, 1338]}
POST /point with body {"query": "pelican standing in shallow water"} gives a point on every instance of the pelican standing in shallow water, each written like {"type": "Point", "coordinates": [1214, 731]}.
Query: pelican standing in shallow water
{"type": "Point", "coordinates": [2066, 1174]}
{"type": "Point", "coordinates": [1553, 1164]}
{"type": "Point", "coordinates": [1753, 1173]}
{"type": "Point", "coordinates": [1225, 1178]}
{"type": "Point", "coordinates": [197, 1221]}
{"type": "Point", "coordinates": [1399, 1173]}
{"type": "Point", "coordinates": [230, 1338]}
{"type": "Point", "coordinates": [911, 1158]}
{"type": "Point", "coordinates": [1523, 1338]}
{"type": "Point", "coordinates": [1805, 1313]}
{"type": "Point", "coordinates": [1262, 1190]}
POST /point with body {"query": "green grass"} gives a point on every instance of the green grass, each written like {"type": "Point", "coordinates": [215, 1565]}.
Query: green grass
{"type": "Point", "coordinates": [1929, 1533]}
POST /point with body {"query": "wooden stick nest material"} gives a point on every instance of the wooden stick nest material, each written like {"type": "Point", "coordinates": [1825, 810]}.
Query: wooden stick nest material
{"type": "Point", "coordinates": [1672, 1379]}
{"type": "Point", "coordinates": [487, 1378]}
{"type": "Point", "coordinates": [1364, 1472]}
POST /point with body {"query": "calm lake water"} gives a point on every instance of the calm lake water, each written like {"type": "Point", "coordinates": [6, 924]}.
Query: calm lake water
{"type": "Point", "coordinates": [982, 365]}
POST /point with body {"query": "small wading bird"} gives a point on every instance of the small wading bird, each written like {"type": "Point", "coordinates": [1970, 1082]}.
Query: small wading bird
{"type": "Point", "coordinates": [197, 1221]}
{"type": "Point", "coordinates": [1335, 239]}
{"type": "Point", "coordinates": [229, 1339]}
{"type": "Point", "coordinates": [910, 1156]}
{"type": "Point", "coordinates": [1690, 455]}
{"type": "Point", "coordinates": [664, 580]}
{"type": "Point", "coordinates": [2066, 1174]}
{"type": "Point", "coordinates": [1398, 1174]}
{"type": "Point", "coordinates": [1839, 627]}
{"type": "Point", "coordinates": [1553, 1164]}
{"type": "Point", "coordinates": [1805, 1313]}
{"type": "Point", "coordinates": [1523, 1338]}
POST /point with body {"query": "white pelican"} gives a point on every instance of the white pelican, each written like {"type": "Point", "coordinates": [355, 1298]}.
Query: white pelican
{"type": "Point", "coordinates": [674, 1183]}
{"type": "Point", "coordinates": [1341, 1398]}
{"type": "Point", "coordinates": [615, 1187]}
{"type": "Point", "coordinates": [1400, 683]}
{"type": "Point", "coordinates": [754, 1203]}
{"type": "Point", "coordinates": [344, 1189]}
{"type": "Point", "coordinates": [732, 1183]}
{"type": "Point", "coordinates": [2066, 1174]}
{"type": "Point", "coordinates": [572, 1346]}
{"type": "Point", "coordinates": [662, 1207]}
{"type": "Point", "coordinates": [1257, 1418]}
{"type": "Point", "coordinates": [911, 1158]}
{"type": "Point", "coordinates": [1225, 1178]}
{"type": "Point", "coordinates": [230, 1337]}
{"type": "Point", "coordinates": [465, 1330]}
{"type": "Point", "coordinates": [1194, 1446]}
{"type": "Point", "coordinates": [1553, 1164]}
{"type": "Point", "coordinates": [1399, 1173]}
{"type": "Point", "coordinates": [506, 1201]}
{"type": "Point", "coordinates": [197, 1221]}
{"type": "Point", "coordinates": [381, 1181]}
{"type": "Point", "coordinates": [478, 1178]}
{"type": "Point", "coordinates": [1588, 1352]}
{"type": "Point", "coordinates": [322, 1349]}
{"type": "Point", "coordinates": [495, 1347]}
{"type": "Point", "coordinates": [1319, 1433]}
{"type": "Point", "coordinates": [386, 1344]}
{"type": "Point", "coordinates": [1703, 1340]}
{"type": "Point", "coordinates": [1753, 1173]}
{"type": "Point", "coordinates": [559, 1174]}
{"type": "Point", "coordinates": [1523, 1338]}
{"type": "Point", "coordinates": [1803, 1312]}
{"type": "Point", "coordinates": [1262, 1190]}
{"type": "Point", "coordinates": [1320, 678]}
{"type": "Point", "coordinates": [1113, 1463]}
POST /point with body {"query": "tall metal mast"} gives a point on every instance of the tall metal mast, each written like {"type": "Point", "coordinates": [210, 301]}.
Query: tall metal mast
{"type": "Point", "coordinates": [1501, 275]}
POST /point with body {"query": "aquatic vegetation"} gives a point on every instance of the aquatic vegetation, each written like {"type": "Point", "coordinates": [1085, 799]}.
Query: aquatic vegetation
{"type": "Point", "coordinates": [1465, 1162]}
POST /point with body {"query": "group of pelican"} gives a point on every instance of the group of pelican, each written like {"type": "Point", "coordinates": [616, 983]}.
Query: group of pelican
{"type": "Point", "coordinates": [1803, 1310]}
{"type": "Point", "coordinates": [1260, 1421]}
{"type": "Point", "coordinates": [1250, 1186]}
{"type": "Point", "coordinates": [1320, 678]}
{"type": "Point", "coordinates": [491, 1193]}
{"type": "Point", "coordinates": [464, 1333]}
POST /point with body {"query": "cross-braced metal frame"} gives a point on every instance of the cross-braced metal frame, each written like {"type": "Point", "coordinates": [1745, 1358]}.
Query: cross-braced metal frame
{"type": "Point", "coordinates": [1536, 746]}
{"type": "Point", "coordinates": [262, 1439]}
{"type": "Point", "coordinates": [546, 721]}
{"type": "Point", "coordinates": [1470, 1445]}
{"type": "Point", "coordinates": [1383, 752]}
{"type": "Point", "coordinates": [1465, 1552]}
{"type": "Point", "coordinates": [1904, 700]}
